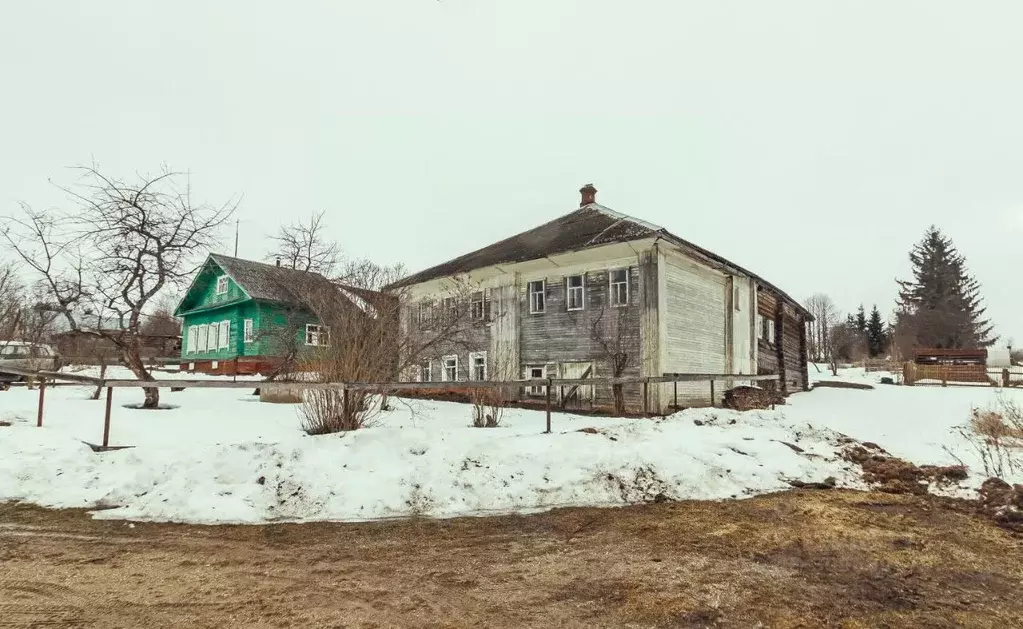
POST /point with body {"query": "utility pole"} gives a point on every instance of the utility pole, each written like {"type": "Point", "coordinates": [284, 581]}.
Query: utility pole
{"type": "Point", "coordinates": [236, 237]}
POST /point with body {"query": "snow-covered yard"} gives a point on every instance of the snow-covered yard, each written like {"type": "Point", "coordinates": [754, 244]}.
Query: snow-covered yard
{"type": "Point", "coordinates": [223, 456]}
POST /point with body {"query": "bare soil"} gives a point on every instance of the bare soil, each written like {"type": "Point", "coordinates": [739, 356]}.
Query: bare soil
{"type": "Point", "coordinates": [797, 559]}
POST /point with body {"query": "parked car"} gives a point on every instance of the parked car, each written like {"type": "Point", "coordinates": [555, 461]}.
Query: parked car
{"type": "Point", "coordinates": [27, 356]}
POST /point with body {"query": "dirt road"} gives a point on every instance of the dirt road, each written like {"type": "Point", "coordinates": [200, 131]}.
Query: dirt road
{"type": "Point", "coordinates": [799, 559]}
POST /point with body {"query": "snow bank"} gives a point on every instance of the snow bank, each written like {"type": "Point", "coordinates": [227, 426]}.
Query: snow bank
{"type": "Point", "coordinates": [219, 458]}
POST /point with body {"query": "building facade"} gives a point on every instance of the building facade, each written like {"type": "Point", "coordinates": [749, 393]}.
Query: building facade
{"type": "Point", "coordinates": [596, 293]}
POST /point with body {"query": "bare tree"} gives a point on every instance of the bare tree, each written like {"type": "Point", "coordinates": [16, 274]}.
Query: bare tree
{"type": "Point", "coordinates": [304, 246]}
{"type": "Point", "coordinates": [609, 330]}
{"type": "Point", "coordinates": [109, 259]}
{"type": "Point", "coordinates": [11, 303]}
{"type": "Point", "coordinates": [825, 316]}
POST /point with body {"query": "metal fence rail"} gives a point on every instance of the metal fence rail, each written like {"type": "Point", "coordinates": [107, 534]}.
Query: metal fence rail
{"type": "Point", "coordinates": [549, 384]}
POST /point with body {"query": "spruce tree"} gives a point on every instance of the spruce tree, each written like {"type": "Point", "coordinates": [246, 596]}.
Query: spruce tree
{"type": "Point", "coordinates": [876, 341]}
{"type": "Point", "coordinates": [942, 304]}
{"type": "Point", "coordinates": [861, 320]}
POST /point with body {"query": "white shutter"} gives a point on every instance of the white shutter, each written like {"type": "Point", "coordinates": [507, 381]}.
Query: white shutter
{"type": "Point", "coordinates": [193, 333]}
{"type": "Point", "coordinates": [204, 336]}
{"type": "Point", "coordinates": [214, 336]}
{"type": "Point", "coordinates": [225, 334]}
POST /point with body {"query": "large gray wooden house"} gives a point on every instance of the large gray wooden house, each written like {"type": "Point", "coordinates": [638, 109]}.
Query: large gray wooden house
{"type": "Point", "coordinates": [568, 298]}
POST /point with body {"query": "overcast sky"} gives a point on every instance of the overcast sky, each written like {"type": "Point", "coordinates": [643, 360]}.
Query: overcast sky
{"type": "Point", "coordinates": [812, 142]}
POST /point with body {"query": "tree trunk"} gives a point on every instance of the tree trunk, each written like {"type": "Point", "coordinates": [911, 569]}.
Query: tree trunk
{"type": "Point", "coordinates": [133, 360]}
{"type": "Point", "coordinates": [618, 392]}
{"type": "Point", "coordinates": [102, 376]}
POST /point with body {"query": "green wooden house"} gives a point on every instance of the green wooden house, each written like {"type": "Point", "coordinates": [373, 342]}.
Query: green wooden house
{"type": "Point", "coordinates": [239, 316]}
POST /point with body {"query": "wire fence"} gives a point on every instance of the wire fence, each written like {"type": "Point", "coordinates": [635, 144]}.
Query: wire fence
{"type": "Point", "coordinates": [546, 385]}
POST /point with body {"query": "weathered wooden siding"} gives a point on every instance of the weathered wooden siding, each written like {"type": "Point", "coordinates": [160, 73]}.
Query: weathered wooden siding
{"type": "Point", "coordinates": [743, 320]}
{"type": "Point", "coordinates": [696, 306]}
{"type": "Point", "coordinates": [559, 335]}
{"type": "Point", "coordinates": [787, 355]}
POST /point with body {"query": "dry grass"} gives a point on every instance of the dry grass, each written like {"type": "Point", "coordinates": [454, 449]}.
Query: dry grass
{"type": "Point", "coordinates": [993, 425]}
{"type": "Point", "coordinates": [798, 559]}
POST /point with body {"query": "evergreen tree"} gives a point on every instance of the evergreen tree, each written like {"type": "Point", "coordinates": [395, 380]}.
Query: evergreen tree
{"type": "Point", "coordinates": [941, 305]}
{"type": "Point", "coordinates": [876, 337]}
{"type": "Point", "coordinates": [850, 322]}
{"type": "Point", "coordinates": [861, 320]}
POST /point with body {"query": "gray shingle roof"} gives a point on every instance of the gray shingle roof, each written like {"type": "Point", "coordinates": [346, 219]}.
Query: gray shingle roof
{"type": "Point", "coordinates": [589, 226]}
{"type": "Point", "coordinates": [268, 282]}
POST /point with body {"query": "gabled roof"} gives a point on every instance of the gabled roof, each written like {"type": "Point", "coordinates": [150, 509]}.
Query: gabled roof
{"type": "Point", "coordinates": [589, 226]}
{"type": "Point", "coordinates": [268, 282]}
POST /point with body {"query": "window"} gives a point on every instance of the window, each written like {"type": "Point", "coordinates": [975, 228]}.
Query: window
{"type": "Point", "coordinates": [537, 303]}
{"type": "Point", "coordinates": [425, 314]}
{"type": "Point", "coordinates": [449, 370]}
{"type": "Point", "coordinates": [425, 370]}
{"type": "Point", "coordinates": [619, 285]}
{"type": "Point", "coordinates": [193, 339]}
{"type": "Point", "coordinates": [204, 335]}
{"type": "Point", "coordinates": [478, 366]}
{"type": "Point", "coordinates": [449, 308]}
{"type": "Point", "coordinates": [574, 288]}
{"type": "Point", "coordinates": [476, 305]}
{"type": "Point", "coordinates": [222, 285]}
{"type": "Point", "coordinates": [536, 373]}
{"type": "Point", "coordinates": [249, 331]}
{"type": "Point", "coordinates": [317, 335]}
{"type": "Point", "coordinates": [735, 298]}
{"type": "Point", "coordinates": [766, 329]}
{"type": "Point", "coordinates": [225, 335]}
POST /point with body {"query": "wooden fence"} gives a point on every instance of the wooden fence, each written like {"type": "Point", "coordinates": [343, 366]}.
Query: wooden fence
{"type": "Point", "coordinates": [548, 384]}
{"type": "Point", "coordinates": [914, 374]}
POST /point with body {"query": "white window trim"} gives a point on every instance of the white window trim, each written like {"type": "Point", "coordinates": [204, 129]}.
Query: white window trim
{"type": "Point", "coordinates": [225, 335]}
{"type": "Point", "coordinates": [530, 292]}
{"type": "Point", "coordinates": [444, 367]}
{"type": "Point", "coordinates": [249, 327]}
{"type": "Point", "coordinates": [532, 389]}
{"type": "Point", "coordinates": [317, 339]}
{"type": "Point", "coordinates": [582, 291]}
{"type": "Point", "coordinates": [193, 339]}
{"type": "Point", "coordinates": [611, 284]}
{"type": "Point", "coordinates": [222, 280]}
{"type": "Point", "coordinates": [214, 340]}
{"type": "Point", "coordinates": [472, 365]}
{"type": "Point", "coordinates": [428, 364]}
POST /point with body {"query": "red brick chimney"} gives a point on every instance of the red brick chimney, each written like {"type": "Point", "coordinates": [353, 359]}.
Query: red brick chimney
{"type": "Point", "coordinates": [589, 195]}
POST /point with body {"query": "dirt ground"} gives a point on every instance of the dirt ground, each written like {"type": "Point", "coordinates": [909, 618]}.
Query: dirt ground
{"type": "Point", "coordinates": [799, 559]}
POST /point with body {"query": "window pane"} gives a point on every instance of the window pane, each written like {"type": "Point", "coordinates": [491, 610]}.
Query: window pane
{"type": "Point", "coordinates": [619, 275]}
{"type": "Point", "coordinates": [575, 281]}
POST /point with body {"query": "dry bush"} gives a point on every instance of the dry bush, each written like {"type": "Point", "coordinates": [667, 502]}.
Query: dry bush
{"type": "Point", "coordinates": [326, 411]}
{"type": "Point", "coordinates": [992, 425]}
{"type": "Point", "coordinates": [996, 436]}
{"type": "Point", "coordinates": [487, 407]}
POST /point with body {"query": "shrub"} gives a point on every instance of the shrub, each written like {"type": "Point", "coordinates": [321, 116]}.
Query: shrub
{"type": "Point", "coordinates": [487, 407]}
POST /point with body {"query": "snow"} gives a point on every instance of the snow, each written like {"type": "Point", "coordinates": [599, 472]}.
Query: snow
{"type": "Point", "coordinates": [221, 456]}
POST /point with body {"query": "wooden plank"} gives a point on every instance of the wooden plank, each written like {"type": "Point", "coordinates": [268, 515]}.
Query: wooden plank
{"type": "Point", "coordinates": [400, 386]}
{"type": "Point", "coordinates": [52, 375]}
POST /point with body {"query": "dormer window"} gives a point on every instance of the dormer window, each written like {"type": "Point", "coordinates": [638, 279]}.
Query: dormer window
{"type": "Point", "coordinates": [222, 285]}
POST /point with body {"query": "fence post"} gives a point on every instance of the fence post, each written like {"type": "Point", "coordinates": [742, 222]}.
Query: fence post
{"type": "Point", "coordinates": [713, 402]}
{"type": "Point", "coordinates": [674, 386]}
{"type": "Point", "coordinates": [106, 417]}
{"type": "Point", "coordinates": [646, 397]}
{"type": "Point", "coordinates": [42, 393]}
{"type": "Point", "coordinates": [1005, 383]}
{"type": "Point", "coordinates": [549, 387]}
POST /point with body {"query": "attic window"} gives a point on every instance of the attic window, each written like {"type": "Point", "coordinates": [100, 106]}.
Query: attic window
{"type": "Point", "coordinates": [222, 285]}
